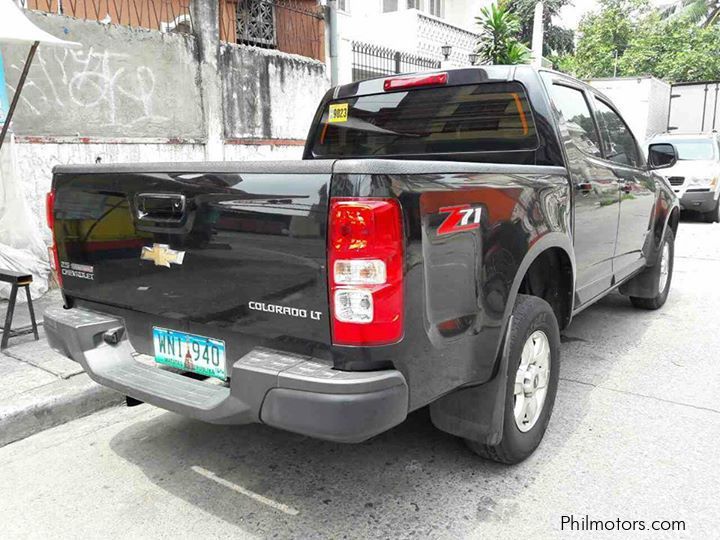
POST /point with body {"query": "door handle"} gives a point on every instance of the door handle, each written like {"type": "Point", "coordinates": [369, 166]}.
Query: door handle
{"type": "Point", "coordinates": [167, 207]}
{"type": "Point", "coordinates": [584, 187]}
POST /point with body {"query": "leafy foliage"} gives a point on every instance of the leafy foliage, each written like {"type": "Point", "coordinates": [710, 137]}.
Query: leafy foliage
{"type": "Point", "coordinates": [498, 42]}
{"type": "Point", "coordinates": [676, 50]}
{"type": "Point", "coordinates": [629, 38]}
{"type": "Point", "coordinates": [604, 35]}
{"type": "Point", "coordinates": [705, 12]}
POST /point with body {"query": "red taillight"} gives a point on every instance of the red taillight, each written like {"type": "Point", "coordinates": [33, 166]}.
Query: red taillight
{"type": "Point", "coordinates": [50, 209]}
{"type": "Point", "coordinates": [365, 268]}
{"type": "Point", "coordinates": [52, 251]}
{"type": "Point", "coordinates": [415, 81]}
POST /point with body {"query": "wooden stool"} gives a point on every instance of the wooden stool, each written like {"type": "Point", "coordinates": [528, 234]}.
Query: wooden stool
{"type": "Point", "coordinates": [17, 279]}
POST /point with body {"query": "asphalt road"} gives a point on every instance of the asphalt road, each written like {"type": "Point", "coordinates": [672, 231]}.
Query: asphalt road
{"type": "Point", "coordinates": [634, 436]}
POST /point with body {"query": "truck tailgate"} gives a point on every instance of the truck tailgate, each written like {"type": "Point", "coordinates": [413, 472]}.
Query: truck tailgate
{"type": "Point", "coordinates": [221, 247]}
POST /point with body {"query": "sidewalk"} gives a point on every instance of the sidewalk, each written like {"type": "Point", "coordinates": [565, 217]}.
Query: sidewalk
{"type": "Point", "coordinates": [39, 388]}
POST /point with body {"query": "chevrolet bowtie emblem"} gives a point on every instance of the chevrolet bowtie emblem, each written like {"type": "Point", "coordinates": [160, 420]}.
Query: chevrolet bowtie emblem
{"type": "Point", "coordinates": [162, 255]}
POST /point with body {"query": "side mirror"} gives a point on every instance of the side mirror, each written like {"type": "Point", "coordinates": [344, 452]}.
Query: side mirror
{"type": "Point", "coordinates": [662, 156]}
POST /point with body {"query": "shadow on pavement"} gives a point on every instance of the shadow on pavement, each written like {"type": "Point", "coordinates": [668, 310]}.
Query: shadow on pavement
{"type": "Point", "coordinates": [413, 478]}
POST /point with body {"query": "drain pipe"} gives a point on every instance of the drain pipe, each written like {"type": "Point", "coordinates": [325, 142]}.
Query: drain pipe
{"type": "Point", "coordinates": [332, 27]}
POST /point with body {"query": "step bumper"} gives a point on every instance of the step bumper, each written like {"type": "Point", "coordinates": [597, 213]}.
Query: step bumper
{"type": "Point", "coordinates": [288, 391]}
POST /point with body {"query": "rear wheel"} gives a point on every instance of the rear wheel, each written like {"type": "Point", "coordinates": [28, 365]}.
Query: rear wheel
{"type": "Point", "coordinates": [662, 275]}
{"type": "Point", "coordinates": [533, 372]}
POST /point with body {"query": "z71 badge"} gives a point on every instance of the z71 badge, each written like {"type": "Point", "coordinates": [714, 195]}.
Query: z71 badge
{"type": "Point", "coordinates": [460, 218]}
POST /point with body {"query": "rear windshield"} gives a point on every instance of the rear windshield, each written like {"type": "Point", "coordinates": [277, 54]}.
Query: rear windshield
{"type": "Point", "coordinates": [694, 149]}
{"type": "Point", "coordinates": [473, 118]}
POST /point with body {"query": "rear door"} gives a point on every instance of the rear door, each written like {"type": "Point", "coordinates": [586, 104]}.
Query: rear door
{"type": "Point", "coordinates": [216, 253]}
{"type": "Point", "coordinates": [637, 188]}
{"type": "Point", "coordinates": [596, 191]}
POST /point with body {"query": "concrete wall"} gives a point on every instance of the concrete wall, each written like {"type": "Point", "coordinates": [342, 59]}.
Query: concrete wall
{"type": "Point", "coordinates": [462, 13]}
{"type": "Point", "coordinates": [135, 95]}
{"type": "Point", "coordinates": [123, 83]}
{"type": "Point", "coordinates": [268, 94]}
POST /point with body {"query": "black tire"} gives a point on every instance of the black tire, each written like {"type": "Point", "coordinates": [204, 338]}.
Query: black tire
{"type": "Point", "coordinates": [713, 216]}
{"type": "Point", "coordinates": [659, 300]}
{"type": "Point", "coordinates": [530, 314]}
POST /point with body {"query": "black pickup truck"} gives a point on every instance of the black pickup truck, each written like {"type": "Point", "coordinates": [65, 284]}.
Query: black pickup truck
{"type": "Point", "coordinates": [440, 232]}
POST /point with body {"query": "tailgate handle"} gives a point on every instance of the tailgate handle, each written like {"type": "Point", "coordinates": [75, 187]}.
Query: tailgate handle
{"type": "Point", "coordinates": [167, 207]}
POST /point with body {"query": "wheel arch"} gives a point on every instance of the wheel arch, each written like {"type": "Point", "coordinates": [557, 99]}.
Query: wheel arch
{"type": "Point", "coordinates": [674, 220]}
{"type": "Point", "coordinates": [667, 215]}
{"type": "Point", "coordinates": [553, 248]}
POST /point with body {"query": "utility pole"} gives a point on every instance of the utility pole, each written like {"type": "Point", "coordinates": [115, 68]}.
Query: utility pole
{"type": "Point", "coordinates": [537, 35]}
{"type": "Point", "coordinates": [332, 27]}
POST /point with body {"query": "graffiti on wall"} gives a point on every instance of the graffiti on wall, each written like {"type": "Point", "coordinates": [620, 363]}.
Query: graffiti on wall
{"type": "Point", "coordinates": [123, 83]}
{"type": "Point", "coordinates": [119, 94]}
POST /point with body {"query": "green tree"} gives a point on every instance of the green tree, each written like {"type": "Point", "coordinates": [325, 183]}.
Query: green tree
{"type": "Point", "coordinates": [675, 50]}
{"type": "Point", "coordinates": [604, 36]}
{"type": "Point", "coordinates": [557, 40]}
{"type": "Point", "coordinates": [498, 43]}
{"type": "Point", "coordinates": [628, 38]}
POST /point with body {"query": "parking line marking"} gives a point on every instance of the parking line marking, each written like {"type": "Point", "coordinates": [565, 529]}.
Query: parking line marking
{"type": "Point", "coordinates": [239, 489]}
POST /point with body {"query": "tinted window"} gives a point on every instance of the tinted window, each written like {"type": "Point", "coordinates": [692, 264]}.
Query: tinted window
{"type": "Point", "coordinates": [471, 118]}
{"type": "Point", "coordinates": [575, 110]}
{"type": "Point", "coordinates": [693, 149]}
{"type": "Point", "coordinates": [619, 142]}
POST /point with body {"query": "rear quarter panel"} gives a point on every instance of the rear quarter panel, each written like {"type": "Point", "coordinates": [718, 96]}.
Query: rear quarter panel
{"type": "Point", "coordinates": [459, 287]}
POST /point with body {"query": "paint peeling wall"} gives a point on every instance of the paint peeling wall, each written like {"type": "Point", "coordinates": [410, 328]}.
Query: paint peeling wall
{"type": "Point", "coordinates": [268, 94]}
{"type": "Point", "coordinates": [124, 82]}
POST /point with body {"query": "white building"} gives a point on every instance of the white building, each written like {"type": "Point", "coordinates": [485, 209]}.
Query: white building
{"type": "Point", "coordinates": [379, 37]}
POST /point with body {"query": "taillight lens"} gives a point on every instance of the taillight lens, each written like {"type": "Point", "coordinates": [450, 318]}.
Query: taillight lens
{"type": "Point", "coordinates": [52, 251]}
{"type": "Point", "coordinates": [415, 81]}
{"type": "Point", "coordinates": [365, 256]}
{"type": "Point", "coordinates": [50, 209]}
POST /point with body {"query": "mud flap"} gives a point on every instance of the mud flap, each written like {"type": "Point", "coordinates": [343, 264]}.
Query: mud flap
{"type": "Point", "coordinates": [477, 412]}
{"type": "Point", "coordinates": [644, 285]}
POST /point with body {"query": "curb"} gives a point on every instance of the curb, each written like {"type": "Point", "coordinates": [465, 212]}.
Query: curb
{"type": "Point", "coordinates": [54, 404]}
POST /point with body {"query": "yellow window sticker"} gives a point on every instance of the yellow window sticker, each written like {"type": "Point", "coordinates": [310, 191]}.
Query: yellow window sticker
{"type": "Point", "coordinates": [338, 113]}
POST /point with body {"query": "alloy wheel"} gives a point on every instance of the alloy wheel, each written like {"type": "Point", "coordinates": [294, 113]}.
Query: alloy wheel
{"type": "Point", "coordinates": [531, 381]}
{"type": "Point", "coordinates": [664, 268]}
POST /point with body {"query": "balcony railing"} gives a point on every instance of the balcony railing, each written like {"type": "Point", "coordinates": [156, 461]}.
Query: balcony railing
{"type": "Point", "coordinates": [291, 26]}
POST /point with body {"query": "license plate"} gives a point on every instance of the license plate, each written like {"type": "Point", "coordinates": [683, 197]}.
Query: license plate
{"type": "Point", "coordinates": [202, 355]}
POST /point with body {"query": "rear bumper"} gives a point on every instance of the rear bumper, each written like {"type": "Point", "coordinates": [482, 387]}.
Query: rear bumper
{"type": "Point", "coordinates": [291, 392]}
{"type": "Point", "coordinates": [699, 201]}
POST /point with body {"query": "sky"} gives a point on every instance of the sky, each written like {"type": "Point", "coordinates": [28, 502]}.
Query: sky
{"type": "Point", "coordinates": [571, 15]}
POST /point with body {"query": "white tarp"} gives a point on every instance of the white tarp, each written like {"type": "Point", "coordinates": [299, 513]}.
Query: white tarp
{"type": "Point", "coordinates": [15, 27]}
{"type": "Point", "coordinates": [21, 244]}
